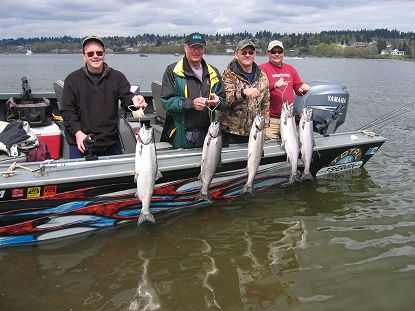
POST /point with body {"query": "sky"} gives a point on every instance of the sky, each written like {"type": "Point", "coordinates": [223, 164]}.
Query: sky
{"type": "Point", "coordinates": [79, 18]}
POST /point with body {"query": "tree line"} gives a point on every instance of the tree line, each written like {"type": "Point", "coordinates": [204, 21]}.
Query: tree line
{"type": "Point", "coordinates": [342, 43]}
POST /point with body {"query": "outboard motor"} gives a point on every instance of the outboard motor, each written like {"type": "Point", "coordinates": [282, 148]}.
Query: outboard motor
{"type": "Point", "coordinates": [329, 101]}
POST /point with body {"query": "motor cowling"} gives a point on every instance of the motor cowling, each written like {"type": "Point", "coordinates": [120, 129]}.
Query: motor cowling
{"type": "Point", "coordinates": [329, 100]}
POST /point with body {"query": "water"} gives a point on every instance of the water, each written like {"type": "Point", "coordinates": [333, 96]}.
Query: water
{"type": "Point", "coordinates": [339, 243]}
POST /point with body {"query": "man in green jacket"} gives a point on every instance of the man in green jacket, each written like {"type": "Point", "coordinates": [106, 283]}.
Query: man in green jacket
{"type": "Point", "coordinates": [191, 92]}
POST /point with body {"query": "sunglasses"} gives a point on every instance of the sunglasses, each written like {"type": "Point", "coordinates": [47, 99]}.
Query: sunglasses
{"type": "Point", "coordinates": [277, 51]}
{"type": "Point", "coordinates": [247, 52]}
{"type": "Point", "coordinates": [91, 54]}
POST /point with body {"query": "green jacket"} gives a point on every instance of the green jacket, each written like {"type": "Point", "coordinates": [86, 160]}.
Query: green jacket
{"type": "Point", "coordinates": [180, 86]}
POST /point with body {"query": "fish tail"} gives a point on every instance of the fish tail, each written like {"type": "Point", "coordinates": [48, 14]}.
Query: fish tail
{"type": "Point", "coordinates": [146, 217]}
{"type": "Point", "coordinates": [306, 176]}
{"type": "Point", "coordinates": [248, 189]}
{"type": "Point", "coordinates": [293, 178]}
{"type": "Point", "coordinates": [203, 197]}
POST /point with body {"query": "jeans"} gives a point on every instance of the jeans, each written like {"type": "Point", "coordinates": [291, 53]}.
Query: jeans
{"type": "Point", "coordinates": [196, 137]}
{"type": "Point", "coordinates": [74, 152]}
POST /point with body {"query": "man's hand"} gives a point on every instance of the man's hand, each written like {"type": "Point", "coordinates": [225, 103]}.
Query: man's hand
{"type": "Point", "coordinates": [80, 137]}
{"type": "Point", "coordinates": [213, 100]}
{"type": "Point", "coordinates": [200, 102]}
{"type": "Point", "coordinates": [279, 83]}
{"type": "Point", "coordinates": [251, 92]}
{"type": "Point", "coordinates": [304, 88]}
{"type": "Point", "coordinates": [139, 101]}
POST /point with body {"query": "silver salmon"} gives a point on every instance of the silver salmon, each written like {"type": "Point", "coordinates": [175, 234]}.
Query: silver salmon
{"type": "Point", "coordinates": [211, 157]}
{"type": "Point", "coordinates": [255, 150]}
{"type": "Point", "coordinates": [146, 171]}
{"type": "Point", "coordinates": [289, 138]}
{"type": "Point", "coordinates": [305, 132]}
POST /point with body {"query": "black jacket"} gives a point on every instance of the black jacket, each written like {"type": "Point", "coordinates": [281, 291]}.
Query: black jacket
{"type": "Point", "coordinates": [93, 108]}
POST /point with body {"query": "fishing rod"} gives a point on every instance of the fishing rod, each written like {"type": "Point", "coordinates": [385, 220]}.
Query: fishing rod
{"type": "Point", "coordinates": [388, 118]}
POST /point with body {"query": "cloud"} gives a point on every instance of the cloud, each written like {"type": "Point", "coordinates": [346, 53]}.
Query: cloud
{"type": "Point", "coordinates": [78, 18]}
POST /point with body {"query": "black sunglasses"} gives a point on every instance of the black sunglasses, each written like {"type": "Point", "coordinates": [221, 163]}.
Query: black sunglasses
{"type": "Point", "coordinates": [91, 54]}
{"type": "Point", "coordinates": [277, 51]}
{"type": "Point", "coordinates": [247, 52]}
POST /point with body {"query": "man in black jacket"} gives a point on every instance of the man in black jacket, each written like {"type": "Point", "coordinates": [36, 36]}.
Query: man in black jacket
{"type": "Point", "coordinates": [90, 102]}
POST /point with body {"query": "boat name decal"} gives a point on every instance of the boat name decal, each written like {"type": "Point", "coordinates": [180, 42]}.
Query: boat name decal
{"type": "Point", "coordinates": [2, 192]}
{"type": "Point", "coordinates": [371, 151]}
{"type": "Point", "coordinates": [339, 168]}
{"type": "Point", "coordinates": [33, 192]}
{"type": "Point", "coordinates": [18, 193]}
{"type": "Point", "coordinates": [49, 190]}
{"type": "Point", "coordinates": [350, 155]}
{"type": "Point", "coordinates": [336, 99]}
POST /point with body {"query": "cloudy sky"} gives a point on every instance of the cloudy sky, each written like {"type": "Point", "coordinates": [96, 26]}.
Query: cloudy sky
{"type": "Point", "coordinates": [78, 18]}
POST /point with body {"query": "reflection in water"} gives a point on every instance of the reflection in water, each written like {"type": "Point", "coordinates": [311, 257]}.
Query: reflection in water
{"type": "Point", "coordinates": [146, 297]}
{"type": "Point", "coordinates": [261, 284]}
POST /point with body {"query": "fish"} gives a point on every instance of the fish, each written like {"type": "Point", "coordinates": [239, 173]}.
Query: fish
{"type": "Point", "coordinates": [211, 157]}
{"type": "Point", "coordinates": [306, 135]}
{"type": "Point", "coordinates": [255, 151]}
{"type": "Point", "coordinates": [146, 171]}
{"type": "Point", "coordinates": [289, 139]}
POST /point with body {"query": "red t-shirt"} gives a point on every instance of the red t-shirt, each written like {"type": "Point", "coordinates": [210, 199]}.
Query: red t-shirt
{"type": "Point", "coordinates": [292, 82]}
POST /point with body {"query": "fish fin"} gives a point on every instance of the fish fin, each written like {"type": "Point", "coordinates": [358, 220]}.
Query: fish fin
{"type": "Point", "coordinates": [255, 135]}
{"type": "Point", "coordinates": [248, 189]}
{"type": "Point", "coordinates": [220, 161]}
{"type": "Point", "coordinates": [135, 177]}
{"type": "Point", "coordinates": [159, 174]}
{"type": "Point", "coordinates": [145, 217]}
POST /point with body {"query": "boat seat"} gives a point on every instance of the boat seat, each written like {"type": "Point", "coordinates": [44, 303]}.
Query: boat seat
{"type": "Point", "coordinates": [163, 145]}
{"type": "Point", "coordinates": [157, 105]}
{"type": "Point", "coordinates": [127, 137]}
{"type": "Point", "coordinates": [58, 88]}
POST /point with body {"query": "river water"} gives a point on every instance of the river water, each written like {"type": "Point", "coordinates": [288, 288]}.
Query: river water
{"type": "Point", "coordinates": [341, 243]}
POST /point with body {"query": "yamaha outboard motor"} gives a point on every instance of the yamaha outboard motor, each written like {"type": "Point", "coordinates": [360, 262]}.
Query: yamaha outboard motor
{"type": "Point", "coordinates": [329, 101]}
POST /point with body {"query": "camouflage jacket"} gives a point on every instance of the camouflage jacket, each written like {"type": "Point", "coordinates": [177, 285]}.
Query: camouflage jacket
{"type": "Point", "coordinates": [240, 111]}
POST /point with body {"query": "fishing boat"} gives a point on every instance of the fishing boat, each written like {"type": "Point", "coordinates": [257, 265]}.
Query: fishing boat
{"type": "Point", "coordinates": [62, 198]}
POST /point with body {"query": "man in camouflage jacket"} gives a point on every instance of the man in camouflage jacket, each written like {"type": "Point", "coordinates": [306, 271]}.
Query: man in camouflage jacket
{"type": "Point", "coordinates": [247, 94]}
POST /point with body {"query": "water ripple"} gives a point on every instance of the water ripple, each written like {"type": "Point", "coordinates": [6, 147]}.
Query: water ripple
{"type": "Point", "coordinates": [408, 251]}
{"type": "Point", "coordinates": [380, 243]}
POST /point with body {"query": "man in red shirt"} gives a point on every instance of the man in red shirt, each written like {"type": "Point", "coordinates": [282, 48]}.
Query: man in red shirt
{"type": "Point", "coordinates": [283, 81]}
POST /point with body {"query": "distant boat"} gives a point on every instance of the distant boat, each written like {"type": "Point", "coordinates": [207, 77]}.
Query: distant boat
{"type": "Point", "coordinates": [176, 54]}
{"type": "Point", "coordinates": [29, 52]}
{"type": "Point", "coordinates": [143, 55]}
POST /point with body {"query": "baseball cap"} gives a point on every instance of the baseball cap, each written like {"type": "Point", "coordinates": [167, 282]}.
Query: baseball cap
{"type": "Point", "coordinates": [195, 39]}
{"type": "Point", "coordinates": [92, 38]}
{"type": "Point", "coordinates": [244, 43]}
{"type": "Point", "coordinates": [275, 43]}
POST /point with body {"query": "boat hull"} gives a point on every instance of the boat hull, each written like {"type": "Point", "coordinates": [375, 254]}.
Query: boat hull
{"type": "Point", "coordinates": [77, 197]}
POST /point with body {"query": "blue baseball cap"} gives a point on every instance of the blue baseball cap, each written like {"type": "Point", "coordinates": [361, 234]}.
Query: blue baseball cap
{"type": "Point", "coordinates": [195, 39]}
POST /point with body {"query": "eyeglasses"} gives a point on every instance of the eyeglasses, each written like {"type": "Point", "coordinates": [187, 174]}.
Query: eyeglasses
{"type": "Point", "coordinates": [277, 51]}
{"type": "Point", "coordinates": [91, 54]}
{"type": "Point", "coordinates": [247, 52]}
